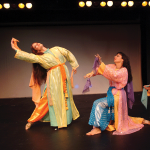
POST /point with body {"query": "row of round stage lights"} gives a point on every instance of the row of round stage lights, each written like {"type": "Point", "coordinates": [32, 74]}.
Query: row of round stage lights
{"type": "Point", "coordinates": [20, 5]}
{"type": "Point", "coordinates": [110, 3]}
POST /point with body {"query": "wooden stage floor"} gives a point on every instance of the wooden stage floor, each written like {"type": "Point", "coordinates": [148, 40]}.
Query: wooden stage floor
{"type": "Point", "coordinates": [41, 136]}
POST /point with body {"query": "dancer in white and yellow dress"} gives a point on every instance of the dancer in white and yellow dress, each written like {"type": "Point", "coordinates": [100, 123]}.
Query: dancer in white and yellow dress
{"type": "Point", "coordinates": [56, 104]}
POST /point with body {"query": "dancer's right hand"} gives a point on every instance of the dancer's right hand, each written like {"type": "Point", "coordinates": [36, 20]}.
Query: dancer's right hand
{"type": "Point", "coordinates": [89, 75]}
{"type": "Point", "coordinates": [14, 44]}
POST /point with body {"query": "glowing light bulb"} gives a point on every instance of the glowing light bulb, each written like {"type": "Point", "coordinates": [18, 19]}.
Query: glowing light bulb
{"type": "Point", "coordinates": [81, 4]}
{"type": "Point", "coordinates": [1, 6]}
{"type": "Point", "coordinates": [21, 5]}
{"type": "Point", "coordinates": [88, 3]}
{"type": "Point", "coordinates": [144, 3]}
{"type": "Point", "coordinates": [29, 5]}
{"type": "Point", "coordinates": [109, 3]}
{"type": "Point", "coordinates": [130, 3]}
{"type": "Point", "coordinates": [6, 5]}
{"type": "Point", "coordinates": [103, 4]}
{"type": "Point", "coordinates": [124, 4]}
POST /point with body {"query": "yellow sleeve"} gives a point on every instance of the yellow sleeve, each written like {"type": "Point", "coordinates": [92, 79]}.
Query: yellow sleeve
{"type": "Point", "coordinates": [28, 57]}
{"type": "Point", "coordinates": [101, 68]}
{"type": "Point", "coordinates": [69, 56]}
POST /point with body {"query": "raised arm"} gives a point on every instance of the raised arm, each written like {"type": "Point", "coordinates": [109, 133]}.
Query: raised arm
{"type": "Point", "coordinates": [28, 57]}
{"type": "Point", "coordinates": [14, 44]}
{"type": "Point", "coordinates": [96, 64]}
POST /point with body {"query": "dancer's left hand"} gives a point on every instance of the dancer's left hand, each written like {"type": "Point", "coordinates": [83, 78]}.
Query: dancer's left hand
{"type": "Point", "coordinates": [75, 71]}
{"type": "Point", "coordinates": [99, 58]}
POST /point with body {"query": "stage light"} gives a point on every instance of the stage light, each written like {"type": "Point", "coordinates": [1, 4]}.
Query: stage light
{"type": "Point", "coordinates": [29, 5]}
{"type": "Point", "coordinates": [144, 3]}
{"type": "Point", "coordinates": [130, 3]}
{"type": "Point", "coordinates": [88, 3]}
{"type": "Point", "coordinates": [124, 4]}
{"type": "Point", "coordinates": [81, 4]}
{"type": "Point", "coordinates": [117, 3]}
{"type": "Point", "coordinates": [1, 6]}
{"type": "Point", "coordinates": [6, 5]}
{"type": "Point", "coordinates": [103, 4]}
{"type": "Point", "coordinates": [149, 3]}
{"type": "Point", "coordinates": [109, 3]}
{"type": "Point", "coordinates": [137, 3]}
{"type": "Point", "coordinates": [14, 6]}
{"type": "Point", "coordinates": [21, 5]}
{"type": "Point", "coordinates": [95, 3]}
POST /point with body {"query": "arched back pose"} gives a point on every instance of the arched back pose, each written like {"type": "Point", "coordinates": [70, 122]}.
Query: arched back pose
{"type": "Point", "coordinates": [56, 104]}
{"type": "Point", "coordinates": [111, 112]}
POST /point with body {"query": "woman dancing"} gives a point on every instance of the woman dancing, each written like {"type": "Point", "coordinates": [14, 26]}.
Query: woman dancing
{"type": "Point", "coordinates": [56, 104]}
{"type": "Point", "coordinates": [111, 112]}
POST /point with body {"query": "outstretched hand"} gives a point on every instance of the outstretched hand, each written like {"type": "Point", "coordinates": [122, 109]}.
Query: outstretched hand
{"type": "Point", "coordinates": [14, 44]}
{"type": "Point", "coordinates": [99, 58]}
{"type": "Point", "coordinates": [89, 75]}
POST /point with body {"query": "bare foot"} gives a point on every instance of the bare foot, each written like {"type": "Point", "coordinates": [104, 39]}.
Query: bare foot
{"type": "Point", "coordinates": [94, 131]}
{"type": "Point", "coordinates": [146, 122]}
{"type": "Point", "coordinates": [28, 125]}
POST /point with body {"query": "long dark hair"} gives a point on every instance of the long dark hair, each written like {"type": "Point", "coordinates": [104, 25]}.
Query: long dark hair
{"type": "Point", "coordinates": [126, 63]}
{"type": "Point", "coordinates": [39, 73]}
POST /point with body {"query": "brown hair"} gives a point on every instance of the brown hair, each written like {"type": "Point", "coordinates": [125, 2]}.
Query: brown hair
{"type": "Point", "coordinates": [126, 63]}
{"type": "Point", "coordinates": [39, 73]}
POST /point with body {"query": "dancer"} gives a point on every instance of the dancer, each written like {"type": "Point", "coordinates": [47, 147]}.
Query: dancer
{"type": "Point", "coordinates": [111, 112]}
{"type": "Point", "coordinates": [56, 104]}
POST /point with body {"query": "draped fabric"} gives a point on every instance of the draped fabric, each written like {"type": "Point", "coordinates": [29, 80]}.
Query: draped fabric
{"type": "Point", "coordinates": [95, 65]}
{"type": "Point", "coordinates": [130, 94]}
{"type": "Point", "coordinates": [41, 111]}
{"type": "Point", "coordinates": [118, 79]}
{"type": "Point", "coordinates": [87, 86]}
{"type": "Point", "coordinates": [125, 124]}
{"type": "Point", "coordinates": [58, 115]}
{"type": "Point", "coordinates": [144, 98]}
{"type": "Point", "coordinates": [36, 90]}
{"type": "Point", "coordinates": [88, 83]}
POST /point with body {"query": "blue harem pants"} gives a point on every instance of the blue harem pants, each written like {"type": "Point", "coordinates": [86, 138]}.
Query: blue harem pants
{"type": "Point", "coordinates": [102, 111]}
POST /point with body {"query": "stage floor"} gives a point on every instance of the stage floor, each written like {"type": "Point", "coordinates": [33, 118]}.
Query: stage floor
{"type": "Point", "coordinates": [41, 136]}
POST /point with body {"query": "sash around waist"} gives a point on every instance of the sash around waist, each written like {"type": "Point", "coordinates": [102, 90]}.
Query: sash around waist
{"type": "Point", "coordinates": [59, 65]}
